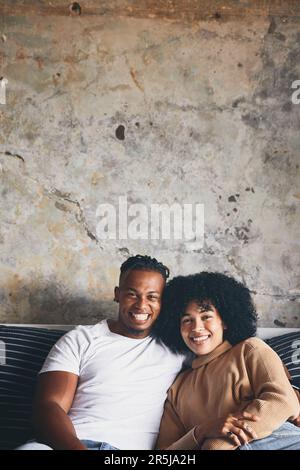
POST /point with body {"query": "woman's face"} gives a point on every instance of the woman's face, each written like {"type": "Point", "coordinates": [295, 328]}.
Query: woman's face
{"type": "Point", "coordinates": [201, 327]}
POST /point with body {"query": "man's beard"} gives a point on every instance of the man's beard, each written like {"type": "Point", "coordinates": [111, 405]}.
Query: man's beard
{"type": "Point", "coordinates": [136, 332]}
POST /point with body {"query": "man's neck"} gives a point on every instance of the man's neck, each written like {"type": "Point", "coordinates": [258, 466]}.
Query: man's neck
{"type": "Point", "coordinates": [115, 327]}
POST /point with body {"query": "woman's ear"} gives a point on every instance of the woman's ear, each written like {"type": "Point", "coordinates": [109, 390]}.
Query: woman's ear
{"type": "Point", "coordinates": [117, 294]}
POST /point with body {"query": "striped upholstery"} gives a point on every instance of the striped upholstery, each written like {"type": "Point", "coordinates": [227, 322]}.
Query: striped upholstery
{"type": "Point", "coordinates": [288, 348]}
{"type": "Point", "coordinates": [22, 353]}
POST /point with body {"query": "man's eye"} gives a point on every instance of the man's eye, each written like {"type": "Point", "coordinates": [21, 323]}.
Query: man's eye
{"type": "Point", "coordinates": [153, 297]}
{"type": "Point", "coordinates": [131, 294]}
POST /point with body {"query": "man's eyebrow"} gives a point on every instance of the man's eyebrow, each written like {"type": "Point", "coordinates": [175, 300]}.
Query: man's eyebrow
{"type": "Point", "coordinates": [149, 292]}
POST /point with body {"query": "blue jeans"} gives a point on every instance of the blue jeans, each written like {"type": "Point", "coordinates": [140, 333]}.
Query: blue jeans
{"type": "Point", "coordinates": [286, 437]}
{"type": "Point", "coordinates": [91, 445]}
{"type": "Point", "coordinates": [94, 445]}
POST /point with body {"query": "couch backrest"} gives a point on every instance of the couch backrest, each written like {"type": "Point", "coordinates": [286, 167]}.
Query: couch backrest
{"type": "Point", "coordinates": [22, 354]}
{"type": "Point", "coordinates": [262, 332]}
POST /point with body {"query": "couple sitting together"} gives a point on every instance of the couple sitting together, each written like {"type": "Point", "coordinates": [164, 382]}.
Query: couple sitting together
{"type": "Point", "coordinates": [109, 386]}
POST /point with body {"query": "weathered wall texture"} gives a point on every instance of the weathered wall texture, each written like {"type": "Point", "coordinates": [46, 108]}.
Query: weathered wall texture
{"type": "Point", "coordinates": [208, 118]}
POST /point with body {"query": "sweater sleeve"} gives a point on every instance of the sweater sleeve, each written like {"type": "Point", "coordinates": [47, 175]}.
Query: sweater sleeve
{"type": "Point", "coordinates": [172, 433]}
{"type": "Point", "coordinates": [274, 401]}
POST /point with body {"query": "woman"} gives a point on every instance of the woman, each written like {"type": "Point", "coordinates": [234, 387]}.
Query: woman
{"type": "Point", "coordinates": [237, 394]}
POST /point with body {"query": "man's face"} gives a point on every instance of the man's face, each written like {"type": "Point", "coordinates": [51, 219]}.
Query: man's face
{"type": "Point", "coordinates": [139, 297]}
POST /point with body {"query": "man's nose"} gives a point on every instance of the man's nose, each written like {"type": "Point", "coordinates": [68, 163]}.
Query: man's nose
{"type": "Point", "coordinates": [141, 303]}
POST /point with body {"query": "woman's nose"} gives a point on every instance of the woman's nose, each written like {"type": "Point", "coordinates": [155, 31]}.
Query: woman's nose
{"type": "Point", "coordinates": [198, 325]}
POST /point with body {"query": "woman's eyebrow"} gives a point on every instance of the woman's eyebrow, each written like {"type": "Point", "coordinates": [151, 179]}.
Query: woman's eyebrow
{"type": "Point", "coordinates": [205, 308]}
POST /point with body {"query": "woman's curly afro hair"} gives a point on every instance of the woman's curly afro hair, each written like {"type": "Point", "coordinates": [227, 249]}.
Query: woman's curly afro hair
{"type": "Point", "coordinates": [231, 298]}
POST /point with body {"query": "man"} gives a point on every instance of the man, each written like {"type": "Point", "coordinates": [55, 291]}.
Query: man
{"type": "Point", "coordinates": [104, 386]}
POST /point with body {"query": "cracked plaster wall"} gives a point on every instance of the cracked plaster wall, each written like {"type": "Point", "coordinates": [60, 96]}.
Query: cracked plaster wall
{"type": "Point", "coordinates": [207, 118]}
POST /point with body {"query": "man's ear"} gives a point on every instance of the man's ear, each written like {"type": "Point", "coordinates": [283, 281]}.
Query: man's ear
{"type": "Point", "coordinates": [117, 293]}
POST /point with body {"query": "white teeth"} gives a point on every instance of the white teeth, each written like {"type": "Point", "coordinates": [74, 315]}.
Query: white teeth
{"type": "Point", "coordinates": [200, 339]}
{"type": "Point", "coordinates": [140, 316]}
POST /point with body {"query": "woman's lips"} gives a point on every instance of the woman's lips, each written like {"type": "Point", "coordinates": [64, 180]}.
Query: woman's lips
{"type": "Point", "coordinates": [200, 339]}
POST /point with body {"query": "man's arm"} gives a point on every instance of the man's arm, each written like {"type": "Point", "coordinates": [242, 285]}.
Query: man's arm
{"type": "Point", "coordinates": [54, 398]}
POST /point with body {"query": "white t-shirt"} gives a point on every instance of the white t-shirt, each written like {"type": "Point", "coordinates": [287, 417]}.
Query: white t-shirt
{"type": "Point", "coordinates": [122, 385]}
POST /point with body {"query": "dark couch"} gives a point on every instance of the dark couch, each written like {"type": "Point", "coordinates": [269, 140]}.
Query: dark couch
{"type": "Point", "coordinates": [22, 354]}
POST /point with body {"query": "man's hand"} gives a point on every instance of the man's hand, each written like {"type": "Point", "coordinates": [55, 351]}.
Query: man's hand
{"type": "Point", "coordinates": [296, 422]}
{"type": "Point", "coordinates": [235, 427]}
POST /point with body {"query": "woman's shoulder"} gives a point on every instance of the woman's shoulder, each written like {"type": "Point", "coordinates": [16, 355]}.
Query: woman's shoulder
{"type": "Point", "coordinates": [253, 344]}
{"type": "Point", "coordinates": [252, 347]}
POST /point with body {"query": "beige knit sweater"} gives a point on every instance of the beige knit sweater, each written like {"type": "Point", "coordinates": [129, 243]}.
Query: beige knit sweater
{"type": "Point", "coordinates": [248, 376]}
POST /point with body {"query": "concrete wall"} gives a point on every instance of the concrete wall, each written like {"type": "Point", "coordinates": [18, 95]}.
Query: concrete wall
{"type": "Point", "coordinates": [208, 118]}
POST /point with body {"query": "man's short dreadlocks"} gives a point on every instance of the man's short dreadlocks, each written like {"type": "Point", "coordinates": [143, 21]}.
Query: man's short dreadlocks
{"type": "Point", "coordinates": [145, 263]}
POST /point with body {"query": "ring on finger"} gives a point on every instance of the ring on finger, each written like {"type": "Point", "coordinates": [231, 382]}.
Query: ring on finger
{"type": "Point", "coordinates": [229, 434]}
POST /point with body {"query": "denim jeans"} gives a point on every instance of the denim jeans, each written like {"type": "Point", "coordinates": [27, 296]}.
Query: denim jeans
{"type": "Point", "coordinates": [91, 445]}
{"type": "Point", "coordinates": [286, 437]}
{"type": "Point", "coordinates": [94, 445]}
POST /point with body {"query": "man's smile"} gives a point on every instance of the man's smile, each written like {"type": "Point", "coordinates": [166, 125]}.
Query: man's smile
{"type": "Point", "coordinates": [140, 317]}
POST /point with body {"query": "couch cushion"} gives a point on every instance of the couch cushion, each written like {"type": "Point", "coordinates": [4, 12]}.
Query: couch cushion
{"type": "Point", "coordinates": [22, 353]}
{"type": "Point", "coordinates": [288, 348]}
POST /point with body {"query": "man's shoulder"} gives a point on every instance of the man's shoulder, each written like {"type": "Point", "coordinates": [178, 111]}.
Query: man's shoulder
{"type": "Point", "coordinates": [86, 333]}
{"type": "Point", "coordinates": [97, 329]}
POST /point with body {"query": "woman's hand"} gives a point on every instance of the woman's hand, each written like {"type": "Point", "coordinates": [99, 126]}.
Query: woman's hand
{"type": "Point", "coordinates": [234, 426]}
